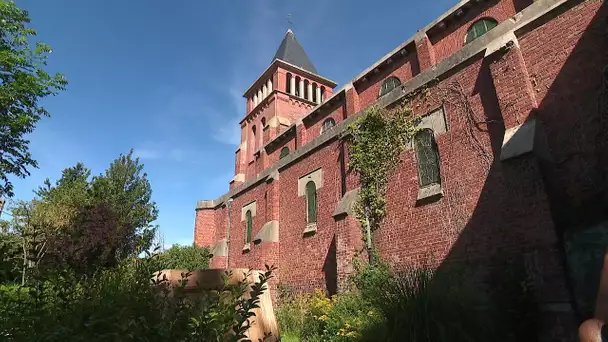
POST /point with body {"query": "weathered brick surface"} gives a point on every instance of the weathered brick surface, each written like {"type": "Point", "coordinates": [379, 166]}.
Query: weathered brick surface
{"type": "Point", "coordinates": [453, 36]}
{"type": "Point", "coordinates": [491, 210]}
{"type": "Point", "coordinates": [403, 68]}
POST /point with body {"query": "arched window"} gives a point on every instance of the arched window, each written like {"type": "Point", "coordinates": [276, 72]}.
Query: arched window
{"type": "Point", "coordinates": [298, 79]}
{"type": "Point", "coordinates": [427, 154]}
{"type": "Point", "coordinates": [306, 94]}
{"type": "Point", "coordinates": [479, 28]}
{"type": "Point", "coordinates": [314, 93]}
{"type": "Point", "coordinates": [284, 152]}
{"type": "Point", "coordinates": [311, 202]}
{"type": "Point", "coordinates": [322, 94]}
{"type": "Point", "coordinates": [255, 140]}
{"type": "Point", "coordinates": [249, 222]}
{"type": "Point", "coordinates": [328, 124]}
{"type": "Point", "coordinates": [388, 85]}
{"type": "Point", "coordinates": [263, 122]}
{"type": "Point", "coordinates": [288, 89]}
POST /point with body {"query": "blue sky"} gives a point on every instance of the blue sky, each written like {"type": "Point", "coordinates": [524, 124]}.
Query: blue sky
{"type": "Point", "coordinates": [167, 77]}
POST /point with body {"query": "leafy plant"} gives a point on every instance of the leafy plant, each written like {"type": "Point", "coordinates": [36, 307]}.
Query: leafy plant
{"type": "Point", "coordinates": [126, 303]}
{"type": "Point", "coordinates": [188, 257]}
{"type": "Point", "coordinates": [23, 83]}
{"type": "Point", "coordinates": [375, 142]}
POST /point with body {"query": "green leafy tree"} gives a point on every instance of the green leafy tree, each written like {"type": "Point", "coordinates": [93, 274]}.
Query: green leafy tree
{"type": "Point", "coordinates": [185, 257]}
{"type": "Point", "coordinates": [126, 189]}
{"type": "Point", "coordinates": [23, 82]}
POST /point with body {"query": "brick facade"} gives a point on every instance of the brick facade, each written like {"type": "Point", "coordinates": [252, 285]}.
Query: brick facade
{"type": "Point", "coordinates": [506, 194]}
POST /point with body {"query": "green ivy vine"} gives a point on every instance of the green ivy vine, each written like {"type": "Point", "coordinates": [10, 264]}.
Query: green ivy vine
{"type": "Point", "coordinates": [376, 140]}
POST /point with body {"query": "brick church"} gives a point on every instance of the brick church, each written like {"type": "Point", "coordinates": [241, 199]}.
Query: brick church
{"type": "Point", "coordinates": [513, 115]}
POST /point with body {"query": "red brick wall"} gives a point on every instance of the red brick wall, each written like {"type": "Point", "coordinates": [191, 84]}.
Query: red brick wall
{"type": "Point", "coordinates": [273, 157]}
{"type": "Point", "coordinates": [306, 256]}
{"type": "Point", "coordinates": [490, 209]}
{"type": "Point", "coordinates": [313, 128]}
{"type": "Point", "coordinates": [451, 38]}
{"type": "Point", "coordinates": [565, 58]}
{"type": "Point", "coordinates": [403, 68]}
{"type": "Point", "coordinates": [204, 227]}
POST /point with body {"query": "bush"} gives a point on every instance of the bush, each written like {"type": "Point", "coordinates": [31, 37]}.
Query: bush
{"type": "Point", "coordinates": [124, 304]}
{"type": "Point", "coordinates": [417, 304]}
{"type": "Point", "coordinates": [185, 257]}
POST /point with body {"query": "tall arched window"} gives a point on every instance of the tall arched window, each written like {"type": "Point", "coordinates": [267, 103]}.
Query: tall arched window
{"type": "Point", "coordinates": [284, 152]}
{"type": "Point", "coordinates": [249, 222]}
{"type": "Point", "coordinates": [427, 154]}
{"type": "Point", "coordinates": [306, 94]}
{"type": "Point", "coordinates": [254, 143]}
{"type": "Point", "coordinates": [263, 121]}
{"type": "Point", "coordinates": [388, 85]}
{"type": "Point", "coordinates": [479, 28]}
{"type": "Point", "coordinates": [314, 93]}
{"type": "Point", "coordinates": [322, 94]}
{"type": "Point", "coordinates": [311, 202]}
{"type": "Point", "coordinates": [298, 79]}
{"type": "Point", "coordinates": [288, 79]}
{"type": "Point", "coordinates": [328, 124]}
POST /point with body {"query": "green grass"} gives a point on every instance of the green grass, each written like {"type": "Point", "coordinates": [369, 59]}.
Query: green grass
{"type": "Point", "coordinates": [290, 338]}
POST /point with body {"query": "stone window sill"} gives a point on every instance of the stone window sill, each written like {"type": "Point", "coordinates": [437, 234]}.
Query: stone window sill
{"type": "Point", "coordinates": [311, 228]}
{"type": "Point", "coordinates": [247, 247]}
{"type": "Point", "coordinates": [429, 193]}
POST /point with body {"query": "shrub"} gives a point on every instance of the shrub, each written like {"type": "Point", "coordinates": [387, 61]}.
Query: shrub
{"type": "Point", "coordinates": [185, 257]}
{"type": "Point", "coordinates": [124, 304]}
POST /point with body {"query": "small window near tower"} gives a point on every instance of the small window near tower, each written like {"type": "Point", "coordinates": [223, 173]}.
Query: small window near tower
{"type": "Point", "coordinates": [479, 28]}
{"type": "Point", "coordinates": [306, 94]}
{"type": "Point", "coordinates": [263, 122]}
{"type": "Point", "coordinates": [284, 152]}
{"type": "Point", "coordinates": [311, 202]}
{"type": "Point", "coordinates": [288, 89]}
{"type": "Point", "coordinates": [322, 94]}
{"type": "Point", "coordinates": [327, 125]}
{"type": "Point", "coordinates": [427, 155]}
{"type": "Point", "coordinates": [249, 222]}
{"type": "Point", "coordinates": [314, 93]}
{"type": "Point", "coordinates": [388, 85]}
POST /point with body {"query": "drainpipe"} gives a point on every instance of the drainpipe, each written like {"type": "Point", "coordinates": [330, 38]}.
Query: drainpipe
{"type": "Point", "coordinates": [229, 206]}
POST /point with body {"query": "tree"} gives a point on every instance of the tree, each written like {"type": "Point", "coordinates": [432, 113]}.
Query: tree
{"type": "Point", "coordinates": [188, 257]}
{"type": "Point", "coordinates": [23, 82]}
{"type": "Point", "coordinates": [126, 189]}
{"type": "Point", "coordinates": [85, 223]}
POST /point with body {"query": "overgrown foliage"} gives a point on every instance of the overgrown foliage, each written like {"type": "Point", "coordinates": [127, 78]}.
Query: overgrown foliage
{"type": "Point", "coordinates": [23, 83]}
{"type": "Point", "coordinates": [417, 304]}
{"type": "Point", "coordinates": [85, 223]}
{"type": "Point", "coordinates": [126, 303]}
{"type": "Point", "coordinates": [376, 141]}
{"type": "Point", "coordinates": [185, 257]}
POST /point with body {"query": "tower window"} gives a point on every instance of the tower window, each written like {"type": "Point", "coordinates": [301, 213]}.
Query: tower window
{"type": "Point", "coordinates": [327, 125]}
{"type": "Point", "coordinates": [284, 152]}
{"type": "Point", "coordinates": [263, 121]}
{"type": "Point", "coordinates": [479, 28]}
{"type": "Point", "coordinates": [254, 143]}
{"type": "Point", "coordinates": [306, 94]}
{"type": "Point", "coordinates": [388, 85]}
{"type": "Point", "coordinates": [298, 80]}
{"type": "Point", "coordinates": [427, 154]}
{"type": "Point", "coordinates": [249, 222]}
{"type": "Point", "coordinates": [314, 93]}
{"type": "Point", "coordinates": [311, 202]}
{"type": "Point", "coordinates": [288, 89]}
{"type": "Point", "coordinates": [322, 94]}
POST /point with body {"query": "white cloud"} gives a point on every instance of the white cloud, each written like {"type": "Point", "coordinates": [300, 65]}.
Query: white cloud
{"type": "Point", "coordinates": [146, 154]}
{"type": "Point", "coordinates": [228, 133]}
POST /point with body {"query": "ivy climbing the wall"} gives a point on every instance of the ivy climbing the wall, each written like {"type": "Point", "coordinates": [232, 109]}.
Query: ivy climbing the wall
{"type": "Point", "coordinates": [375, 141]}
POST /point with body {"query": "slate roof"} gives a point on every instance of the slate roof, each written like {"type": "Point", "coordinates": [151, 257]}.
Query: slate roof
{"type": "Point", "coordinates": [292, 52]}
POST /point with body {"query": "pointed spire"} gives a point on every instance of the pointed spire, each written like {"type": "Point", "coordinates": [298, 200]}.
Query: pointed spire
{"type": "Point", "coordinates": [292, 52]}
